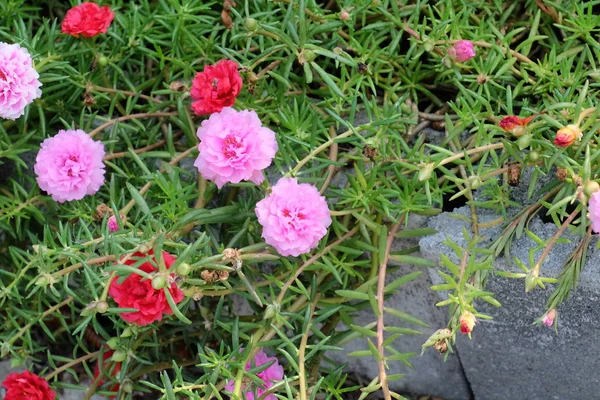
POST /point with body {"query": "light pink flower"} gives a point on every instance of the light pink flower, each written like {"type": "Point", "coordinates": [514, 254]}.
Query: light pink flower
{"type": "Point", "coordinates": [462, 51]}
{"type": "Point", "coordinates": [19, 84]}
{"type": "Point", "coordinates": [69, 165]}
{"type": "Point", "coordinates": [294, 217]}
{"type": "Point", "coordinates": [234, 147]}
{"type": "Point", "coordinates": [594, 211]}
{"type": "Point", "coordinates": [548, 319]}
{"type": "Point", "coordinates": [269, 376]}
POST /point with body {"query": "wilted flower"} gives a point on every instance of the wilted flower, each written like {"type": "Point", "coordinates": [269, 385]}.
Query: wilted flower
{"type": "Point", "coordinates": [566, 136]}
{"type": "Point", "coordinates": [27, 386]}
{"type": "Point", "coordinates": [462, 51]}
{"type": "Point", "coordinates": [269, 376]}
{"type": "Point", "coordinates": [467, 323]}
{"type": "Point", "coordinates": [234, 147]}
{"type": "Point", "coordinates": [548, 319]}
{"type": "Point", "coordinates": [294, 217]}
{"type": "Point", "coordinates": [19, 84]}
{"type": "Point", "coordinates": [69, 165]}
{"type": "Point", "coordinates": [137, 292]}
{"type": "Point", "coordinates": [216, 87]}
{"type": "Point", "coordinates": [515, 125]}
{"type": "Point", "coordinates": [87, 19]}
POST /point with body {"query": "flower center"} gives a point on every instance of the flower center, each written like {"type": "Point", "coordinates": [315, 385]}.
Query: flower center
{"type": "Point", "coordinates": [293, 217]}
{"type": "Point", "coordinates": [72, 165]}
{"type": "Point", "coordinates": [2, 75]}
{"type": "Point", "coordinates": [215, 83]}
{"type": "Point", "coordinates": [230, 146]}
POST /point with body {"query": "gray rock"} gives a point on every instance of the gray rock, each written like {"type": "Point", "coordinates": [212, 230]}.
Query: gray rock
{"type": "Point", "coordinates": [431, 375]}
{"type": "Point", "coordinates": [509, 357]}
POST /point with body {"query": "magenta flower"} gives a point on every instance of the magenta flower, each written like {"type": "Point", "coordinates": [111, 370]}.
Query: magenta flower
{"type": "Point", "coordinates": [19, 84]}
{"type": "Point", "coordinates": [69, 165]}
{"type": "Point", "coordinates": [294, 217]}
{"type": "Point", "coordinates": [462, 51]}
{"type": "Point", "coordinates": [112, 223]}
{"type": "Point", "coordinates": [234, 147]}
{"type": "Point", "coordinates": [269, 376]}
{"type": "Point", "coordinates": [594, 211]}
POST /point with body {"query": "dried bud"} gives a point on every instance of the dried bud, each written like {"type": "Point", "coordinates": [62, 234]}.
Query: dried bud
{"type": "Point", "coordinates": [177, 86]}
{"type": "Point", "coordinates": [591, 187]}
{"type": "Point", "coordinates": [441, 346]}
{"type": "Point", "coordinates": [482, 78]}
{"type": "Point", "coordinates": [425, 172]}
{"type": "Point", "coordinates": [88, 99]}
{"type": "Point", "coordinates": [212, 276]}
{"type": "Point", "coordinates": [561, 173]}
{"type": "Point", "coordinates": [566, 136]}
{"type": "Point", "coordinates": [370, 152]}
{"type": "Point", "coordinates": [514, 174]}
{"type": "Point", "coordinates": [101, 211]}
{"type": "Point", "coordinates": [467, 323]}
{"type": "Point", "coordinates": [362, 68]}
{"type": "Point", "coordinates": [251, 78]}
{"type": "Point", "coordinates": [231, 254]}
{"type": "Point", "coordinates": [548, 319]}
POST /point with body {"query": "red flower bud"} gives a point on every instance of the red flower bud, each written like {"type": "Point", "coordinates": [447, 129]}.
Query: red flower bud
{"type": "Point", "coordinates": [515, 125]}
{"type": "Point", "coordinates": [467, 323]}
{"type": "Point", "coordinates": [566, 136]}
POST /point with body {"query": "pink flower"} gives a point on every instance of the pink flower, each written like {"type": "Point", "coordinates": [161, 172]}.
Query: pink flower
{"type": "Point", "coordinates": [112, 223]}
{"type": "Point", "coordinates": [19, 84]}
{"type": "Point", "coordinates": [69, 165]}
{"type": "Point", "coordinates": [137, 292]}
{"type": "Point", "coordinates": [234, 147]}
{"type": "Point", "coordinates": [294, 217]}
{"type": "Point", "coordinates": [594, 211]}
{"type": "Point", "coordinates": [269, 376]}
{"type": "Point", "coordinates": [548, 319]}
{"type": "Point", "coordinates": [462, 51]}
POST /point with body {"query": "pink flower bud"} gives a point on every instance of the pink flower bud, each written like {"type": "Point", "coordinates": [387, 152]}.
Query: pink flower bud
{"type": "Point", "coordinates": [548, 319]}
{"type": "Point", "coordinates": [566, 136]}
{"type": "Point", "coordinates": [462, 51]}
{"type": "Point", "coordinates": [112, 223]}
{"type": "Point", "coordinates": [344, 15]}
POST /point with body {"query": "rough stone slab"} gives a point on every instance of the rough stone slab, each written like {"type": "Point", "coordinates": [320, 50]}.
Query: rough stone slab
{"type": "Point", "coordinates": [431, 375]}
{"type": "Point", "coordinates": [508, 357]}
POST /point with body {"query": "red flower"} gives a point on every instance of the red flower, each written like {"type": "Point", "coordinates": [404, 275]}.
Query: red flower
{"type": "Point", "coordinates": [137, 292]}
{"type": "Point", "coordinates": [515, 125]}
{"type": "Point", "coordinates": [567, 136]}
{"type": "Point", "coordinates": [216, 87]}
{"type": "Point", "coordinates": [87, 19]}
{"type": "Point", "coordinates": [27, 386]}
{"type": "Point", "coordinates": [106, 366]}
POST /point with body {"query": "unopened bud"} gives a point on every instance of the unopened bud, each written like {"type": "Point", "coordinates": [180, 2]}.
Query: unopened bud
{"type": "Point", "coordinates": [42, 280]}
{"type": "Point", "coordinates": [119, 356]}
{"type": "Point", "coordinates": [251, 24]}
{"type": "Point", "coordinates": [103, 61]}
{"type": "Point", "coordinates": [474, 181]}
{"type": "Point", "coordinates": [127, 387]}
{"type": "Point", "coordinates": [113, 343]}
{"type": "Point", "coordinates": [102, 307]}
{"type": "Point", "coordinates": [428, 46]}
{"type": "Point", "coordinates": [183, 269]}
{"type": "Point", "coordinates": [127, 332]}
{"type": "Point", "coordinates": [306, 55]}
{"type": "Point", "coordinates": [344, 15]}
{"type": "Point", "coordinates": [524, 141]}
{"type": "Point", "coordinates": [534, 156]}
{"type": "Point", "coordinates": [566, 136]}
{"type": "Point", "coordinates": [548, 319]}
{"type": "Point", "coordinates": [159, 282]}
{"type": "Point", "coordinates": [531, 281]}
{"type": "Point", "coordinates": [425, 172]}
{"type": "Point", "coordinates": [272, 310]}
{"type": "Point", "coordinates": [467, 323]}
{"type": "Point", "coordinates": [591, 187]}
